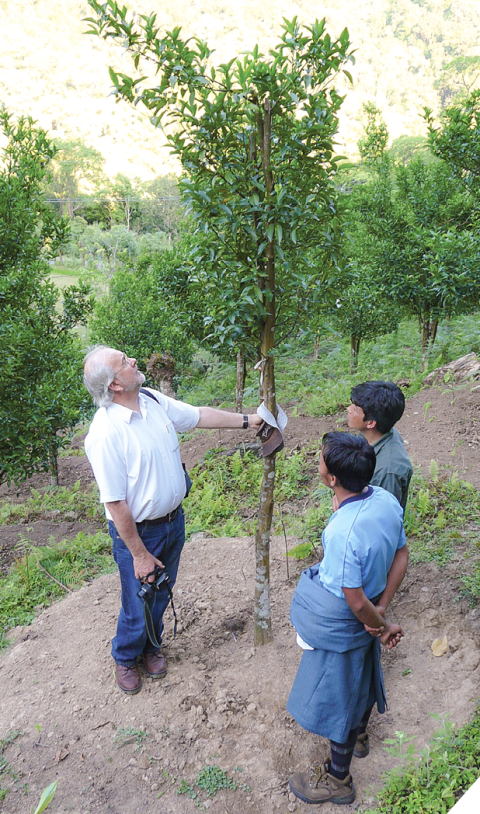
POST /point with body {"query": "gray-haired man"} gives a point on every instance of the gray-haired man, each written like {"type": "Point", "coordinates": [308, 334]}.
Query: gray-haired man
{"type": "Point", "coordinates": [133, 449]}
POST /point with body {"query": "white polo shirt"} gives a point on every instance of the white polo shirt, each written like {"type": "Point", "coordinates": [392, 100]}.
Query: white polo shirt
{"type": "Point", "coordinates": [136, 457]}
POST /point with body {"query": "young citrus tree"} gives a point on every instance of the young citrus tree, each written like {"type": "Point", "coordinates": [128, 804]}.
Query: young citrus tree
{"type": "Point", "coordinates": [255, 139]}
{"type": "Point", "coordinates": [40, 357]}
{"type": "Point", "coordinates": [413, 233]}
{"type": "Point", "coordinates": [456, 140]}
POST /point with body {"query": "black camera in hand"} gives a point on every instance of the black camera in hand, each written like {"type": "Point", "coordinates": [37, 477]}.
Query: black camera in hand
{"type": "Point", "coordinates": [149, 588]}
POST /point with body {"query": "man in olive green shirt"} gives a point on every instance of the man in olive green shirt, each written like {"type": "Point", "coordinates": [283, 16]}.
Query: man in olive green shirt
{"type": "Point", "coordinates": [376, 407]}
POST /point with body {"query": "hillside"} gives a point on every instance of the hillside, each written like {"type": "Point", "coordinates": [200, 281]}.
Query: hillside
{"type": "Point", "coordinates": [223, 703]}
{"type": "Point", "coordinates": [55, 73]}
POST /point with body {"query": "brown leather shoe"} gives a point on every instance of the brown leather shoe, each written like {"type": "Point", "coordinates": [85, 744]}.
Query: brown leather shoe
{"type": "Point", "coordinates": [128, 678]}
{"type": "Point", "coordinates": [362, 746]}
{"type": "Point", "coordinates": [155, 664]}
{"type": "Point", "coordinates": [322, 787]}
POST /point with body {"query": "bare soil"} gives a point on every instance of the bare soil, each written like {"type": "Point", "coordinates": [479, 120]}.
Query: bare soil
{"type": "Point", "coordinates": [223, 701]}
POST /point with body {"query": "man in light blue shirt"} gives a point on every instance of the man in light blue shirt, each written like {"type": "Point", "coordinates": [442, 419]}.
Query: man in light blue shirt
{"type": "Point", "coordinates": [338, 611]}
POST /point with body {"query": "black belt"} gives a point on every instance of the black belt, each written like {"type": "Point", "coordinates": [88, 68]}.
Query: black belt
{"type": "Point", "coordinates": [157, 521]}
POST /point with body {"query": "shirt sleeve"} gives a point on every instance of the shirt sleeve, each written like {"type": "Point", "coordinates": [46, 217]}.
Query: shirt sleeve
{"type": "Point", "coordinates": [352, 568]}
{"type": "Point", "coordinates": [182, 415]}
{"type": "Point", "coordinates": [402, 539]}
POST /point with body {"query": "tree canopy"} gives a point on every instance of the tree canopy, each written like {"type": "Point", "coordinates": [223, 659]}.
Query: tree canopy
{"type": "Point", "coordinates": [40, 396]}
{"type": "Point", "coordinates": [255, 139]}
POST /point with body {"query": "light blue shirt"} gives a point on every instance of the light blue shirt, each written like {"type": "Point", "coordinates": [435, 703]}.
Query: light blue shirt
{"type": "Point", "coordinates": [360, 542]}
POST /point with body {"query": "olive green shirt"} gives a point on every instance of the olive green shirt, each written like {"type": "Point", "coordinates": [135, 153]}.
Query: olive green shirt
{"type": "Point", "coordinates": [393, 469]}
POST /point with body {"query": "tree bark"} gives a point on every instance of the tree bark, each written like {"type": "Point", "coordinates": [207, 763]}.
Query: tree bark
{"type": "Point", "coordinates": [426, 327]}
{"type": "Point", "coordinates": [354, 351]}
{"type": "Point", "coordinates": [53, 469]}
{"type": "Point", "coordinates": [240, 385]}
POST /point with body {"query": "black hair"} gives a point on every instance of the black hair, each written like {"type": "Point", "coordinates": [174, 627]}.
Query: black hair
{"type": "Point", "coordinates": [350, 458]}
{"type": "Point", "coordinates": [382, 402]}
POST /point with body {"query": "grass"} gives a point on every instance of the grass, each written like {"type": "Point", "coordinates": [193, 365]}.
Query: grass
{"type": "Point", "coordinates": [434, 780]}
{"type": "Point", "coordinates": [442, 523]}
{"type": "Point", "coordinates": [28, 588]}
{"type": "Point", "coordinates": [83, 502]}
{"type": "Point", "coordinates": [322, 386]}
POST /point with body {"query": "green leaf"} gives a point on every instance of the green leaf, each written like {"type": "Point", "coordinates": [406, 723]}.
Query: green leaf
{"type": "Point", "coordinates": [47, 796]}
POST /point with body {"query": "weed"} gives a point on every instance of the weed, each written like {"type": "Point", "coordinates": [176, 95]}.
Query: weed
{"type": "Point", "coordinates": [210, 780]}
{"type": "Point", "coordinates": [29, 586]}
{"type": "Point", "coordinates": [471, 585]}
{"type": "Point", "coordinates": [54, 504]}
{"type": "Point", "coordinates": [5, 767]}
{"type": "Point", "coordinates": [128, 734]}
{"type": "Point", "coordinates": [435, 779]}
{"type": "Point", "coordinates": [46, 797]}
{"type": "Point", "coordinates": [225, 491]}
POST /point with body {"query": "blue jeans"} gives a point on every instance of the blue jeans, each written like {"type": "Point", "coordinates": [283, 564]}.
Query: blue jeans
{"type": "Point", "coordinates": [165, 542]}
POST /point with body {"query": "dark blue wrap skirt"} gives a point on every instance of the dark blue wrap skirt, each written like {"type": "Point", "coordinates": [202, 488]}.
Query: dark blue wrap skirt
{"type": "Point", "coordinates": [338, 680]}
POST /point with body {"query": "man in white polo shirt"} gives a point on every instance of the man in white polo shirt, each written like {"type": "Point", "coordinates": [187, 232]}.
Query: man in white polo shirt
{"type": "Point", "coordinates": [134, 452]}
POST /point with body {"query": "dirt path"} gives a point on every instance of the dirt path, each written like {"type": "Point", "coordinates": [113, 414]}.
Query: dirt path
{"type": "Point", "coordinates": [223, 703]}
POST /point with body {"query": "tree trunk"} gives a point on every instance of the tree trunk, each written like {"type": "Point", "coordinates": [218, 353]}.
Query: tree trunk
{"type": "Point", "coordinates": [240, 386]}
{"type": "Point", "coordinates": [53, 469]}
{"type": "Point", "coordinates": [354, 351]}
{"type": "Point", "coordinates": [316, 347]}
{"type": "Point", "coordinates": [427, 329]}
{"type": "Point", "coordinates": [161, 367]}
{"type": "Point", "coordinates": [262, 612]}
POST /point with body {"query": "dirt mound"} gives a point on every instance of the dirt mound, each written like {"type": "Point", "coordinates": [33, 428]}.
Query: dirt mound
{"type": "Point", "coordinates": [222, 703]}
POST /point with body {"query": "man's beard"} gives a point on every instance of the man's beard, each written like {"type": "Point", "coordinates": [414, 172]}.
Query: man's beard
{"type": "Point", "coordinates": [136, 385]}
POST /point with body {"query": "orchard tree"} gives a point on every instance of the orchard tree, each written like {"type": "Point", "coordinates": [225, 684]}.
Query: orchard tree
{"type": "Point", "coordinates": [162, 324]}
{"type": "Point", "coordinates": [363, 312]}
{"type": "Point", "coordinates": [372, 145]}
{"type": "Point", "coordinates": [458, 79]}
{"type": "Point", "coordinates": [123, 200]}
{"type": "Point", "coordinates": [40, 358]}
{"type": "Point", "coordinates": [255, 139]}
{"type": "Point", "coordinates": [414, 233]}
{"type": "Point", "coordinates": [456, 140]}
{"type": "Point", "coordinates": [161, 207]}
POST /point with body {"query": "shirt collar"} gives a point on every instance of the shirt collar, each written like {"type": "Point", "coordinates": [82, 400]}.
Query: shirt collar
{"type": "Point", "coordinates": [383, 440]}
{"type": "Point", "coordinates": [127, 415]}
{"type": "Point", "coordinates": [362, 496]}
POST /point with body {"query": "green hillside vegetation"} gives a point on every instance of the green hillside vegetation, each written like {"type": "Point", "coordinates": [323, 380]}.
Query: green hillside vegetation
{"type": "Point", "coordinates": [409, 54]}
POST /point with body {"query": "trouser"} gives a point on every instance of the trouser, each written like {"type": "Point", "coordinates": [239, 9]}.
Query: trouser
{"type": "Point", "coordinates": [165, 542]}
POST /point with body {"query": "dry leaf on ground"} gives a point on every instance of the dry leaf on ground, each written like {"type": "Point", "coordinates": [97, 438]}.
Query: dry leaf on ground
{"type": "Point", "coordinates": [440, 646]}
